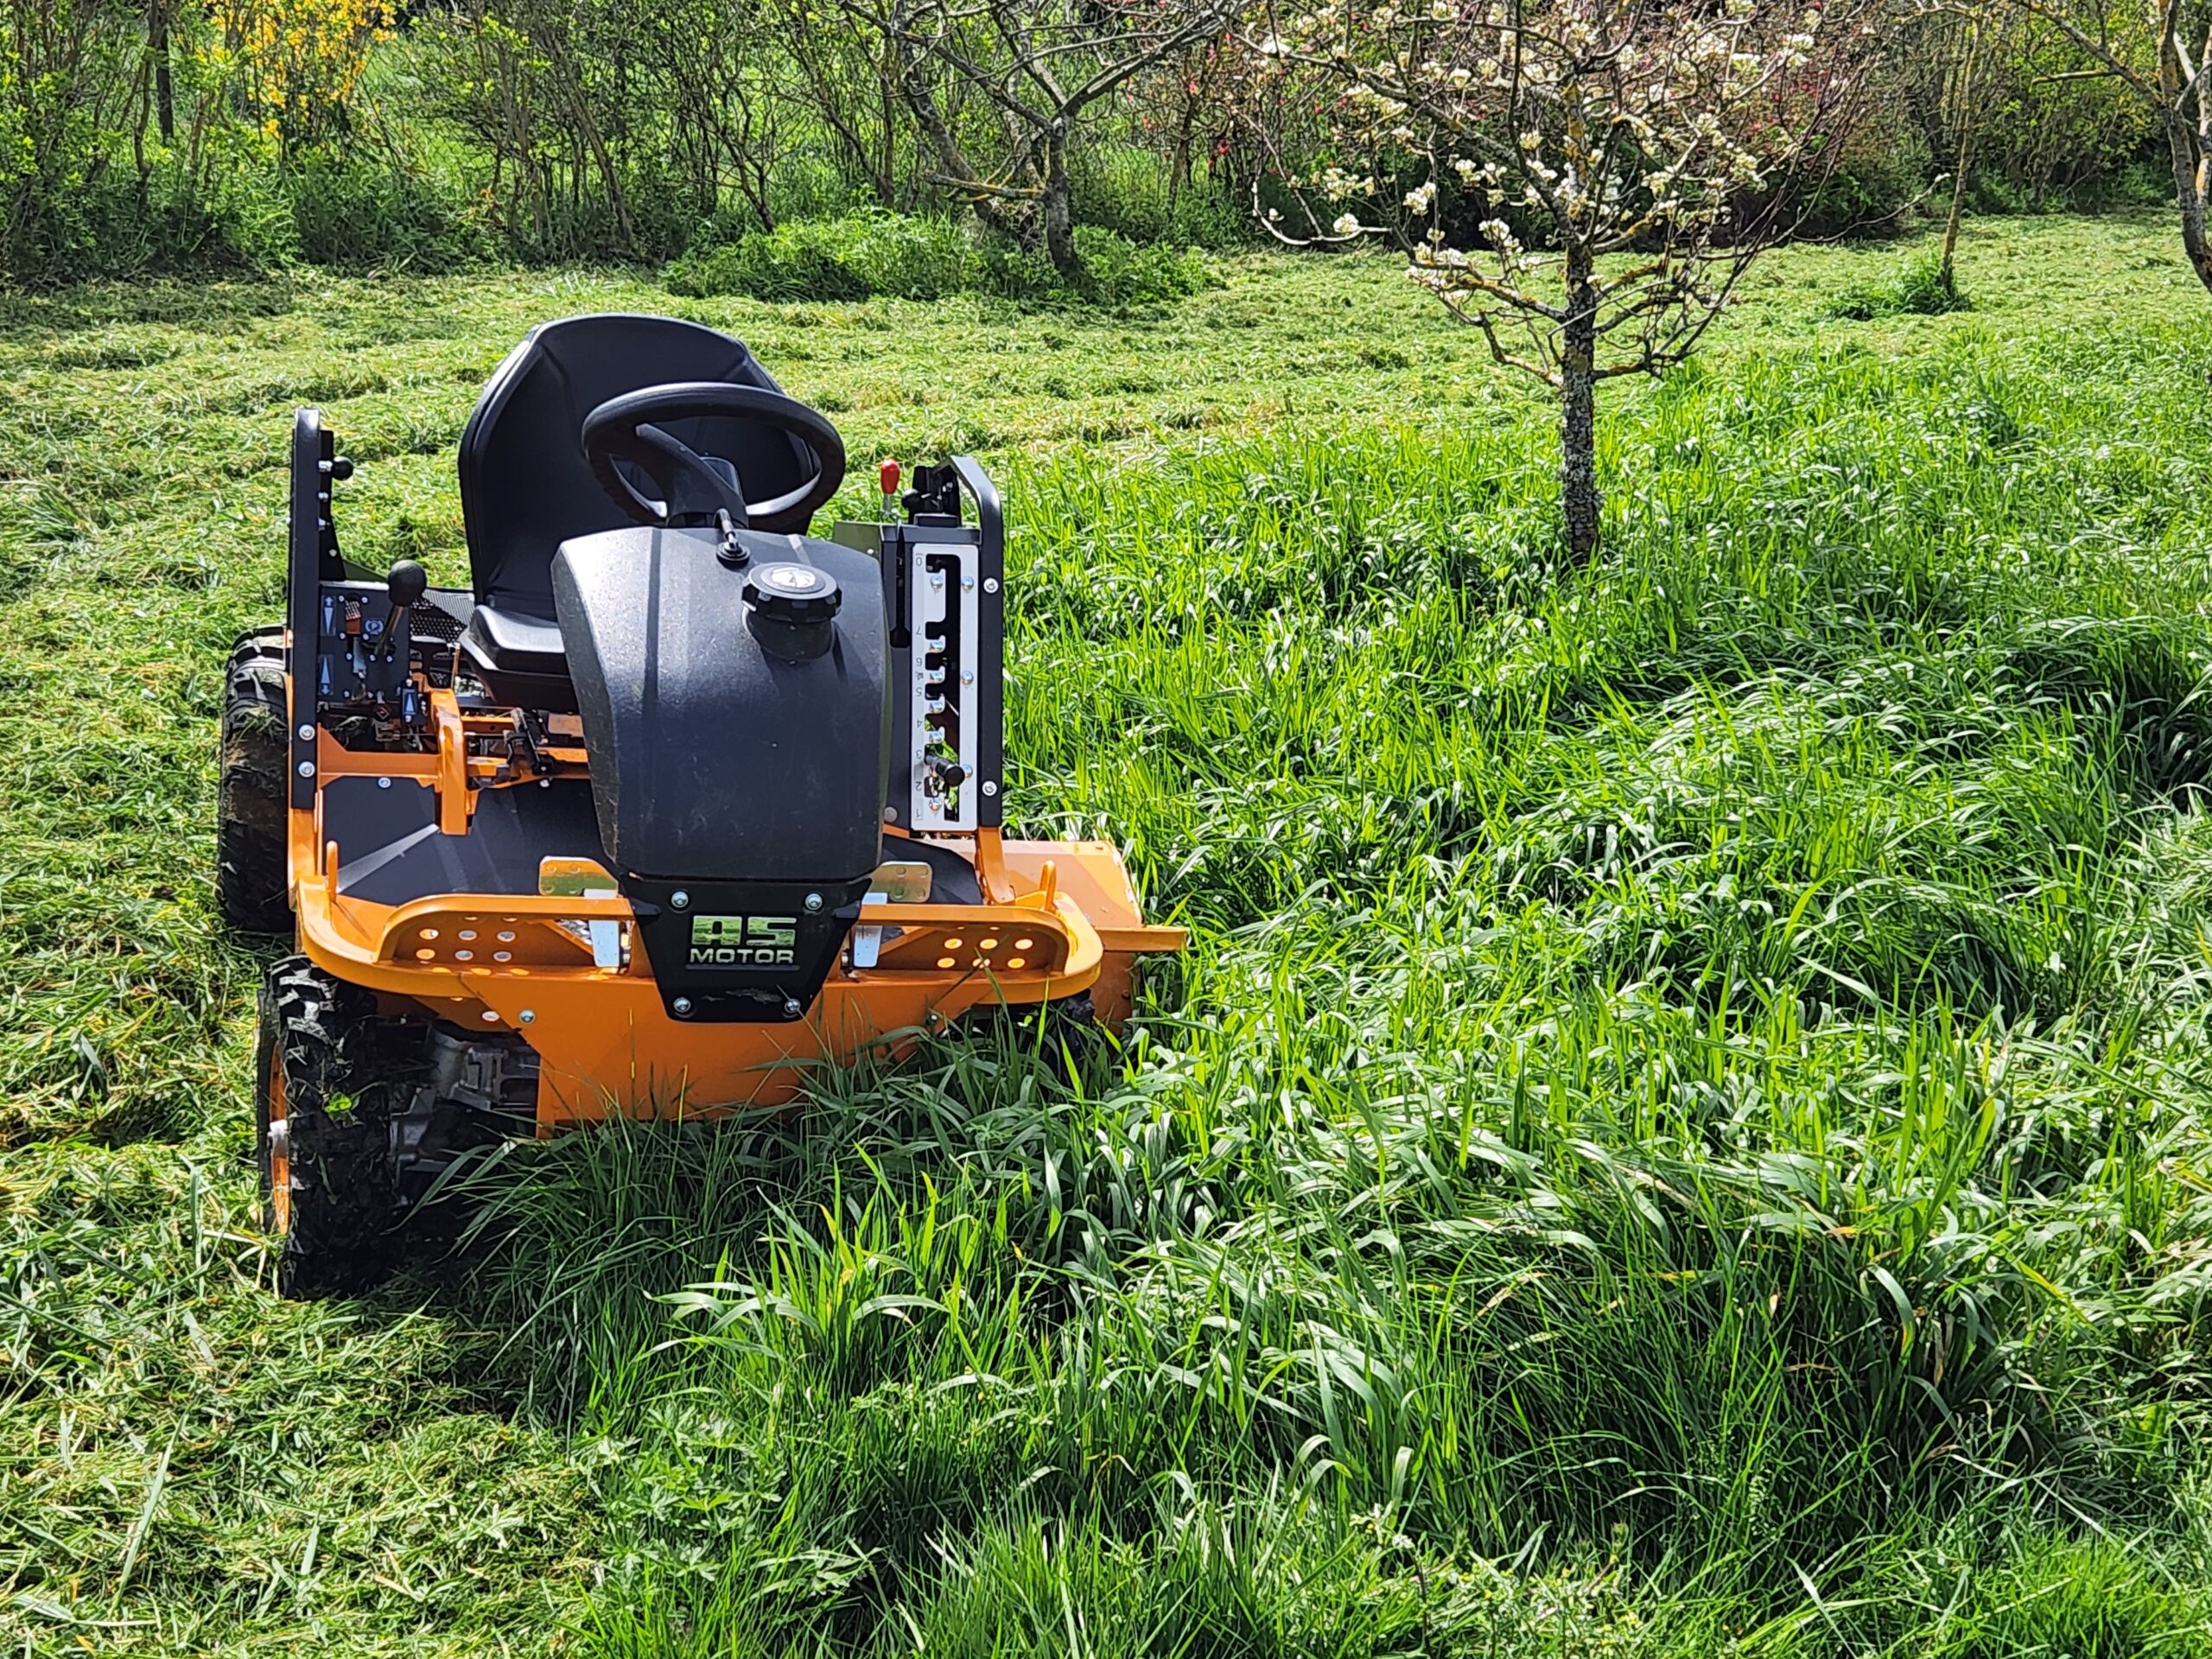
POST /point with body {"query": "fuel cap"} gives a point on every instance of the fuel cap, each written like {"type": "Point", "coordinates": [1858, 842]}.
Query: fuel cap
{"type": "Point", "coordinates": [794, 593]}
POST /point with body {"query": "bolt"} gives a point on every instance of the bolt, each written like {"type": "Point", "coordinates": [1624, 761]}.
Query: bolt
{"type": "Point", "coordinates": [989, 787]}
{"type": "Point", "coordinates": [791, 1009]}
{"type": "Point", "coordinates": [384, 782]}
{"type": "Point", "coordinates": [813, 902]}
{"type": "Point", "coordinates": [307, 769]}
{"type": "Point", "coordinates": [528, 1016]}
{"type": "Point", "coordinates": [966, 584]}
{"type": "Point", "coordinates": [307, 731]}
{"type": "Point", "coordinates": [967, 676]}
{"type": "Point", "coordinates": [490, 1018]}
{"type": "Point", "coordinates": [680, 900]}
{"type": "Point", "coordinates": [683, 1007]}
{"type": "Point", "coordinates": [991, 585]}
{"type": "Point", "coordinates": [890, 815]}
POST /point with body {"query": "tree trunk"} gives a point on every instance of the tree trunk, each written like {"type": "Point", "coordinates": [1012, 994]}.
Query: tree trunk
{"type": "Point", "coordinates": [1578, 396]}
{"type": "Point", "coordinates": [2187, 137]}
{"type": "Point", "coordinates": [157, 43]}
{"type": "Point", "coordinates": [1969, 119]}
{"type": "Point", "coordinates": [1059, 220]}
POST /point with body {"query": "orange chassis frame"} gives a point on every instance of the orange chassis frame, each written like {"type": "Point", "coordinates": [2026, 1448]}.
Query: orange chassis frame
{"type": "Point", "coordinates": [1058, 918]}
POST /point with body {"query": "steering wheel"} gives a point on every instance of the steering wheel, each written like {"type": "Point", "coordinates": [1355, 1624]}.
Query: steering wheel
{"type": "Point", "coordinates": [695, 489]}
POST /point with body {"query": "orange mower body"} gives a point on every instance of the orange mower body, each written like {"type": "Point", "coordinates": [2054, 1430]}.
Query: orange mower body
{"type": "Point", "coordinates": [675, 804]}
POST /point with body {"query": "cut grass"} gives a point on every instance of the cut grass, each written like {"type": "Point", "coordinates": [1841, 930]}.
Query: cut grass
{"type": "Point", "coordinates": [1684, 1129]}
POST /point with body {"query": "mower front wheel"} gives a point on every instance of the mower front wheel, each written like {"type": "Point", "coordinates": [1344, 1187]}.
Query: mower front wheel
{"type": "Point", "coordinates": [323, 1133]}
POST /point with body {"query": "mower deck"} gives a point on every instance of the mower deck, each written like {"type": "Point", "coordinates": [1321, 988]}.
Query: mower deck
{"type": "Point", "coordinates": [1060, 920]}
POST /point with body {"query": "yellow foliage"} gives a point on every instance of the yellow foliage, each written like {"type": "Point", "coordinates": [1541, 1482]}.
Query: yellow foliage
{"type": "Point", "coordinates": [297, 62]}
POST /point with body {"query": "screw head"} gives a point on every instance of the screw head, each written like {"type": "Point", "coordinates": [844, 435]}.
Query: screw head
{"type": "Point", "coordinates": [990, 584]}
{"type": "Point", "coordinates": [307, 731]}
{"type": "Point", "coordinates": [680, 900]}
{"type": "Point", "coordinates": [384, 782]}
{"type": "Point", "coordinates": [966, 584]}
{"type": "Point", "coordinates": [528, 1016]}
{"type": "Point", "coordinates": [791, 1008]}
{"type": "Point", "coordinates": [890, 815]}
{"type": "Point", "coordinates": [682, 1007]}
{"type": "Point", "coordinates": [990, 787]}
{"type": "Point", "coordinates": [307, 769]}
{"type": "Point", "coordinates": [813, 902]}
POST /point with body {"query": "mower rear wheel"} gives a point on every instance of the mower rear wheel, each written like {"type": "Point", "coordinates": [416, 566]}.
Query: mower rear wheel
{"type": "Point", "coordinates": [322, 1136]}
{"type": "Point", "coordinates": [252, 883]}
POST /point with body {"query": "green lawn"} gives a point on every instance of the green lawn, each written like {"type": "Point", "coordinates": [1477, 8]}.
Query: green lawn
{"type": "Point", "coordinates": [1685, 1129]}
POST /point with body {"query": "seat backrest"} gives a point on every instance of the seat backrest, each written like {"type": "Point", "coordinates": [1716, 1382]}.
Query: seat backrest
{"type": "Point", "coordinates": [526, 487]}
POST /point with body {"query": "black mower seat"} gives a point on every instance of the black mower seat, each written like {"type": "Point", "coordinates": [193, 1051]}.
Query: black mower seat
{"type": "Point", "coordinates": [519, 657]}
{"type": "Point", "coordinates": [526, 487]}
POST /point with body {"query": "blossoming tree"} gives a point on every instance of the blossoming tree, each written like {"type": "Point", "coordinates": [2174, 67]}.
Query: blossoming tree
{"type": "Point", "coordinates": [1585, 180]}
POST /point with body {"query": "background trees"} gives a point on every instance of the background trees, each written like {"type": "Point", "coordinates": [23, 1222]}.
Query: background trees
{"type": "Point", "coordinates": [144, 132]}
{"type": "Point", "coordinates": [2174, 87]}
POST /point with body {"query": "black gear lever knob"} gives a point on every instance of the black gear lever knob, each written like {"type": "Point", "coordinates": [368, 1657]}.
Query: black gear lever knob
{"type": "Point", "coordinates": [407, 582]}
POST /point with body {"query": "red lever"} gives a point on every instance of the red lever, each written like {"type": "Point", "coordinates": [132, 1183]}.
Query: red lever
{"type": "Point", "coordinates": [888, 473]}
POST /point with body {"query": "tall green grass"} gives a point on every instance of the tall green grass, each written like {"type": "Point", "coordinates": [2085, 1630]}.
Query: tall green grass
{"type": "Point", "coordinates": [1684, 1129]}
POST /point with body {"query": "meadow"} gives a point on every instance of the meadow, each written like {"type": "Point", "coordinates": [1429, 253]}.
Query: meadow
{"type": "Point", "coordinates": [1685, 1127]}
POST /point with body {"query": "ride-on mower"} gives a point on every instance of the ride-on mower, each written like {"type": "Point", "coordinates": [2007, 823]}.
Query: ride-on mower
{"type": "Point", "coordinates": [675, 801]}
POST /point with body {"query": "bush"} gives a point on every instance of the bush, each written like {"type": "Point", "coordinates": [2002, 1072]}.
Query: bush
{"type": "Point", "coordinates": [1919, 289]}
{"type": "Point", "coordinates": [1879, 181]}
{"type": "Point", "coordinates": [855, 256]}
{"type": "Point", "coordinates": [873, 254]}
{"type": "Point", "coordinates": [354, 212]}
{"type": "Point", "coordinates": [1125, 190]}
{"type": "Point", "coordinates": [1125, 274]}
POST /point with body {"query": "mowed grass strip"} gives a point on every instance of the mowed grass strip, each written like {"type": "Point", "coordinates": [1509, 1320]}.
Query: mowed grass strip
{"type": "Point", "coordinates": [1683, 1128]}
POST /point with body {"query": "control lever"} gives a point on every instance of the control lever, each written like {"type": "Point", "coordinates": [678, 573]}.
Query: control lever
{"type": "Point", "coordinates": [944, 777]}
{"type": "Point", "coordinates": [407, 583]}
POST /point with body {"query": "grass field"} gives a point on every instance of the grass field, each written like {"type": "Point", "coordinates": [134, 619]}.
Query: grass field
{"type": "Point", "coordinates": [1686, 1127]}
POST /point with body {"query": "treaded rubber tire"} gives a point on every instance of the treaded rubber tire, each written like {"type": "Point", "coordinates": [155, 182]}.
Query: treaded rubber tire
{"type": "Point", "coordinates": [253, 887]}
{"type": "Point", "coordinates": [339, 1212]}
{"type": "Point", "coordinates": [1064, 1029]}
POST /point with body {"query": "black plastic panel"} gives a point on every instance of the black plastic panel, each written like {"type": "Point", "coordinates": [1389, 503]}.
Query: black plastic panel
{"type": "Point", "coordinates": [391, 852]}
{"type": "Point", "coordinates": [753, 952]}
{"type": "Point", "coordinates": [711, 758]}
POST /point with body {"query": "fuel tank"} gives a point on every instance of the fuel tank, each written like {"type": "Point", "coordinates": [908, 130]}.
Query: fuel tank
{"type": "Point", "coordinates": [735, 713]}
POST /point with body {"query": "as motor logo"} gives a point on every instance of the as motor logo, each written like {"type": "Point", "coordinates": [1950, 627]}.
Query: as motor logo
{"type": "Point", "coordinates": [744, 941]}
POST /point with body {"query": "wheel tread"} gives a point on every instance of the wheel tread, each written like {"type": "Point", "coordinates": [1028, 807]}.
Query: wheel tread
{"type": "Point", "coordinates": [344, 1202]}
{"type": "Point", "coordinates": [252, 882]}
